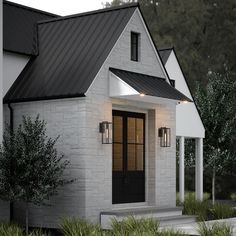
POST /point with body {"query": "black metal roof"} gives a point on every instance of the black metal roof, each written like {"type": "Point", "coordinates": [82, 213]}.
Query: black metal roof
{"type": "Point", "coordinates": [150, 85]}
{"type": "Point", "coordinates": [165, 53]}
{"type": "Point", "coordinates": [71, 52]}
{"type": "Point", "coordinates": [19, 27]}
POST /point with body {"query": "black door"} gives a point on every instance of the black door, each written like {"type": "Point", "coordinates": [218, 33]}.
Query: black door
{"type": "Point", "coordinates": [128, 175]}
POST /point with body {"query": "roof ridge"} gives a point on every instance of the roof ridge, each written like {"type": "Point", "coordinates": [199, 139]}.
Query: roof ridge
{"type": "Point", "coordinates": [29, 8]}
{"type": "Point", "coordinates": [103, 10]}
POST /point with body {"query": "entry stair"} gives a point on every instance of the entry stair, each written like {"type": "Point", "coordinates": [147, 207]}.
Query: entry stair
{"type": "Point", "coordinates": [167, 217]}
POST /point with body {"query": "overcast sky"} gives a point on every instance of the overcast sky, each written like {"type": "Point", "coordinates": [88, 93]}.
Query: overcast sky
{"type": "Point", "coordinates": [63, 7]}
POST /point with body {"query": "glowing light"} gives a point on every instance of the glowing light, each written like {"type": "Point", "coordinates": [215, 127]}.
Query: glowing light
{"type": "Point", "coordinates": [142, 94]}
{"type": "Point", "coordinates": [185, 102]}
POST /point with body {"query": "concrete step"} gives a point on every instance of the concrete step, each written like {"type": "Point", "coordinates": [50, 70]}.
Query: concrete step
{"type": "Point", "coordinates": [176, 220]}
{"type": "Point", "coordinates": [138, 212]}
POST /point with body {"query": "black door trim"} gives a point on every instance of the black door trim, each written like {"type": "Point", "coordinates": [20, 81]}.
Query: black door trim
{"type": "Point", "coordinates": [125, 173]}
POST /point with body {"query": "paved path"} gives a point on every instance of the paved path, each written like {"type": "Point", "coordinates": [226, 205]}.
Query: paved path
{"type": "Point", "coordinates": [191, 228]}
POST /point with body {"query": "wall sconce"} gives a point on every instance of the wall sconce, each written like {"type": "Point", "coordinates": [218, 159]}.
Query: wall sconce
{"type": "Point", "coordinates": [105, 128]}
{"type": "Point", "coordinates": [164, 134]}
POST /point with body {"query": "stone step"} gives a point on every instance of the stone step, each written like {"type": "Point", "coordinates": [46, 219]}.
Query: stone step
{"type": "Point", "coordinates": [176, 220]}
{"type": "Point", "coordinates": [138, 212]}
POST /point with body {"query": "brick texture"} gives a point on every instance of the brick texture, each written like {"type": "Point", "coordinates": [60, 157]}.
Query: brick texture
{"type": "Point", "coordinates": [77, 123]}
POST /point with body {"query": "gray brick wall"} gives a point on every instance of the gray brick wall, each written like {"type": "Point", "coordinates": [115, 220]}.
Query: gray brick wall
{"type": "Point", "coordinates": [77, 123]}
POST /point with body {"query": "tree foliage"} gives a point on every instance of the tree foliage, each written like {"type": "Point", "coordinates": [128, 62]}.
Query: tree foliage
{"type": "Point", "coordinates": [218, 111]}
{"type": "Point", "coordinates": [31, 170]}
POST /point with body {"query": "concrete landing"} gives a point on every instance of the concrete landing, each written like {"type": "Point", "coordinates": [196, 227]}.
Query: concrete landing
{"type": "Point", "coordinates": [191, 228]}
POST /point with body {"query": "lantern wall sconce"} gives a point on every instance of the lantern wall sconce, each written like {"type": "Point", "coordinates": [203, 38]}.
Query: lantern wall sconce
{"type": "Point", "coordinates": [105, 128]}
{"type": "Point", "coordinates": [164, 134]}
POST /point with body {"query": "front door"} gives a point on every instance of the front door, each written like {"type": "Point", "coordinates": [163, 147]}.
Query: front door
{"type": "Point", "coordinates": [128, 175]}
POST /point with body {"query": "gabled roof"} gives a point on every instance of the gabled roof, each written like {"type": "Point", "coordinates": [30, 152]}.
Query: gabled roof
{"type": "Point", "coordinates": [165, 53]}
{"type": "Point", "coordinates": [149, 85]}
{"type": "Point", "coordinates": [19, 27]}
{"type": "Point", "coordinates": [71, 52]}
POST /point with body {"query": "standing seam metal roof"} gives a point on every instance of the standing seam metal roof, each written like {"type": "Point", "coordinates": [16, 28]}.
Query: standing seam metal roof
{"type": "Point", "coordinates": [165, 53]}
{"type": "Point", "coordinates": [71, 52]}
{"type": "Point", "coordinates": [150, 85]}
{"type": "Point", "coordinates": [19, 27]}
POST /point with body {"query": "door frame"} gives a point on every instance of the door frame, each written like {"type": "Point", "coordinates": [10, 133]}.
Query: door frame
{"type": "Point", "coordinates": [146, 174]}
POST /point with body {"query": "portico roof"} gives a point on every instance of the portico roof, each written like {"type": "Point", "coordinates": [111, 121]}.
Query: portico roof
{"type": "Point", "coordinates": [132, 83]}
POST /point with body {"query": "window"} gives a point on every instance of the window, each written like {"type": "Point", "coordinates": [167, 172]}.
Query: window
{"type": "Point", "coordinates": [134, 46]}
{"type": "Point", "coordinates": [172, 82]}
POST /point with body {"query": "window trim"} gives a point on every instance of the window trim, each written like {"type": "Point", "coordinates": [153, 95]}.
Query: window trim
{"type": "Point", "coordinates": [134, 56]}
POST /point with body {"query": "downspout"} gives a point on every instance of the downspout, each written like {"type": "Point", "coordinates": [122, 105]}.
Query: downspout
{"type": "Point", "coordinates": [11, 129]}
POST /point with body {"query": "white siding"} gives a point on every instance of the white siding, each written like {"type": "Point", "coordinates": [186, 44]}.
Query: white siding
{"type": "Point", "coordinates": [13, 64]}
{"type": "Point", "coordinates": [188, 121]}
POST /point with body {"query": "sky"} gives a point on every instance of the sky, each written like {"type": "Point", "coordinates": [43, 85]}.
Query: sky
{"type": "Point", "coordinates": [63, 7]}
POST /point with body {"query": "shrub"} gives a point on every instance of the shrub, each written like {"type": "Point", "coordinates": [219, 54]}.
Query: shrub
{"type": "Point", "coordinates": [233, 196]}
{"type": "Point", "coordinates": [222, 211]}
{"type": "Point", "coordinates": [79, 227]}
{"type": "Point", "coordinates": [10, 230]}
{"type": "Point", "coordinates": [216, 229]}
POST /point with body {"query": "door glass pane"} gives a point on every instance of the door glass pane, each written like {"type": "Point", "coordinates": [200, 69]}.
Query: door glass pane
{"type": "Point", "coordinates": [131, 130]}
{"type": "Point", "coordinates": [139, 131]}
{"type": "Point", "coordinates": [117, 129]}
{"type": "Point", "coordinates": [139, 157]}
{"type": "Point", "coordinates": [131, 165]}
{"type": "Point", "coordinates": [117, 157]}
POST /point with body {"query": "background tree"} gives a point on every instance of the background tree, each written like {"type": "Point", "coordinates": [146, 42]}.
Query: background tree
{"type": "Point", "coordinates": [203, 33]}
{"type": "Point", "coordinates": [218, 111]}
{"type": "Point", "coordinates": [30, 168]}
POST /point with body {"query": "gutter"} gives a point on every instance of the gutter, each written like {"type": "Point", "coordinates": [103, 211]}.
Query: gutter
{"type": "Point", "coordinates": [11, 129]}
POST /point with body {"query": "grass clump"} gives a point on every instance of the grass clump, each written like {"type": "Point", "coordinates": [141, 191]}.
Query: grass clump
{"type": "Point", "coordinates": [191, 206]}
{"type": "Point", "coordinates": [39, 233]}
{"type": "Point", "coordinates": [217, 229]}
{"type": "Point", "coordinates": [190, 195]}
{"type": "Point", "coordinates": [233, 196]}
{"type": "Point", "coordinates": [133, 226]}
{"type": "Point", "coordinates": [141, 227]}
{"type": "Point", "coordinates": [79, 227]}
{"type": "Point", "coordinates": [222, 211]}
{"type": "Point", "coordinates": [171, 232]}
{"type": "Point", "coordinates": [10, 230]}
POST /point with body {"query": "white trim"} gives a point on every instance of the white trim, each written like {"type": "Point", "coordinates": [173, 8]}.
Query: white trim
{"type": "Point", "coordinates": [154, 48]}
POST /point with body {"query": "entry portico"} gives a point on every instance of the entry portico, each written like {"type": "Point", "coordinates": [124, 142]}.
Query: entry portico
{"type": "Point", "coordinates": [188, 123]}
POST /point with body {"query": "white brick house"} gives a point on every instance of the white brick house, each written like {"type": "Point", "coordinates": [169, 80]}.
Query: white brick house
{"type": "Point", "coordinates": [77, 72]}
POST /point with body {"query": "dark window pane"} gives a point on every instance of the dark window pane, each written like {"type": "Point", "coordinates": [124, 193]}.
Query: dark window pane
{"type": "Point", "coordinates": [134, 46]}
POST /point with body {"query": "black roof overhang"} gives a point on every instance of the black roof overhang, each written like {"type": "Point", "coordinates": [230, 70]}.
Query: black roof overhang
{"type": "Point", "coordinates": [150, 85]}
